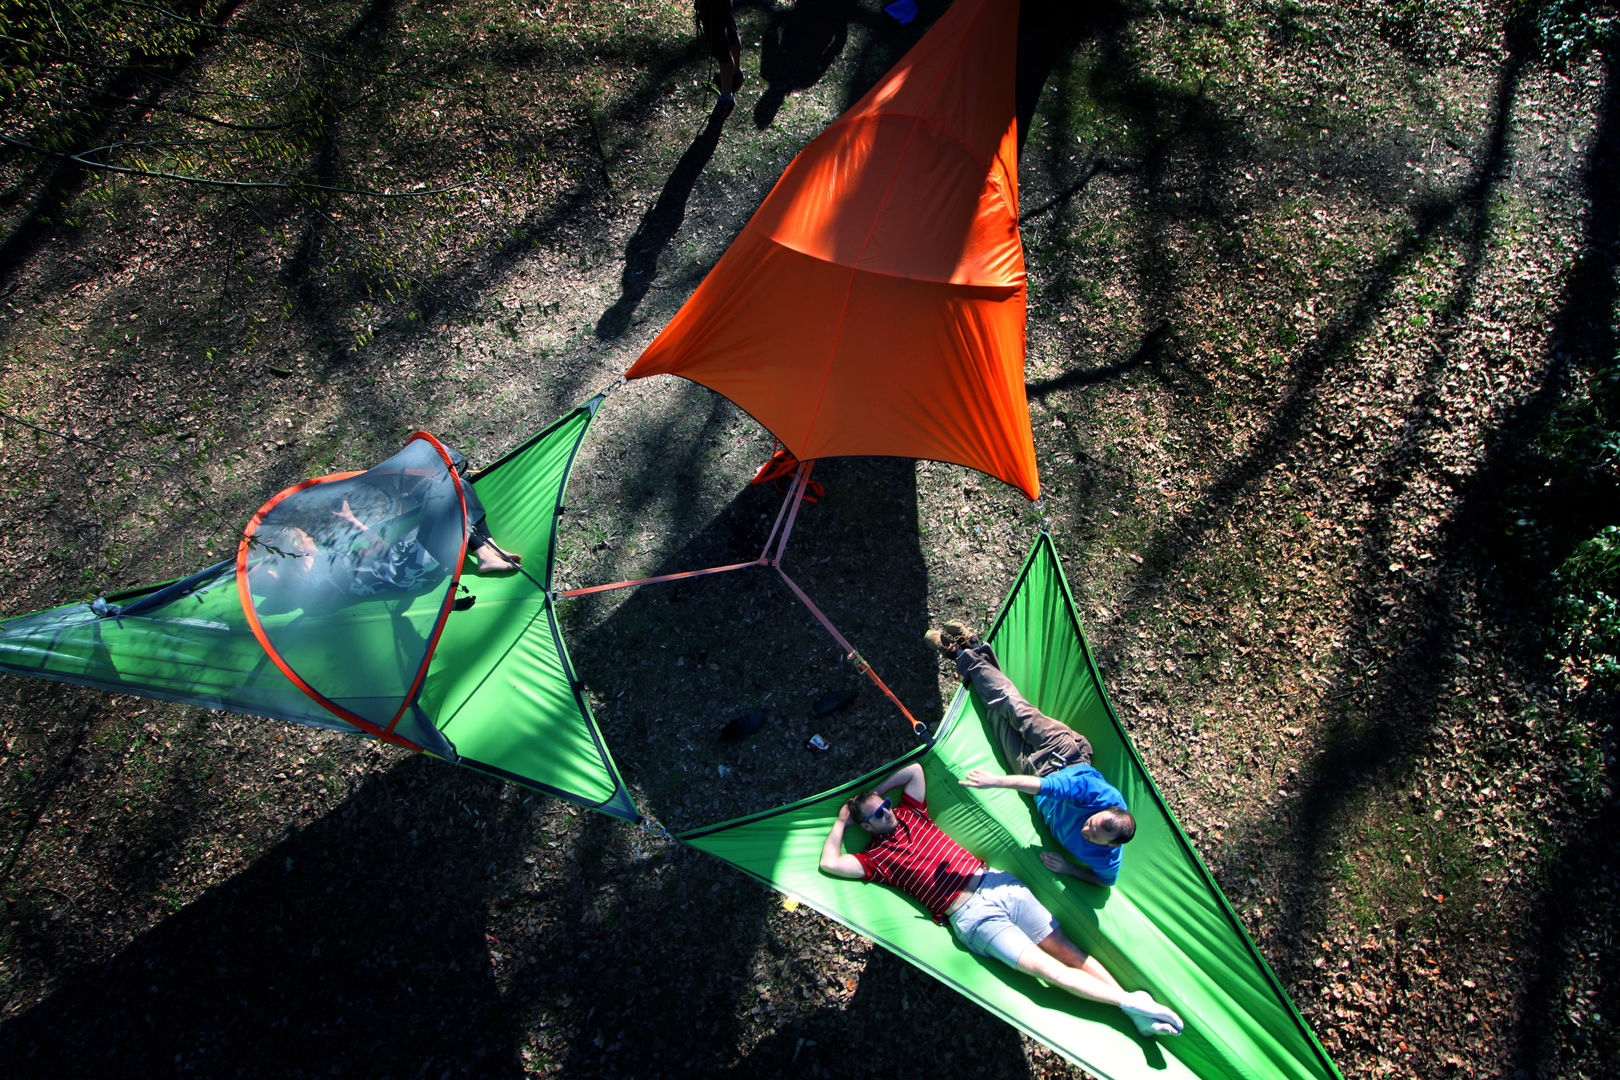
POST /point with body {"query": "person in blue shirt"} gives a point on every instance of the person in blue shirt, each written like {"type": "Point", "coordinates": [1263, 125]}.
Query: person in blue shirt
{"type": "Point", "coordinates": [1086, 813]}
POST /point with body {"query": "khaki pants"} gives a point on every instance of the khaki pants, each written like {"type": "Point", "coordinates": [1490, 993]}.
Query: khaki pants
{"type": "Point", "coordinates": [1030, 741]}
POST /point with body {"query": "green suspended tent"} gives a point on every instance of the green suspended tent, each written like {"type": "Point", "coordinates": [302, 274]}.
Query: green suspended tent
{"type": "Point", "coordinates": [1164, 927]}
{"type": "Point", "coordinates": [337, 612]}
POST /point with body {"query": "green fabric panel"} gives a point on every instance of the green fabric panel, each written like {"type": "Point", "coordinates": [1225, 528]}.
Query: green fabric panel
{"type": "Point", "coordinates": [501, 687]}
{"type": "Point", "coordinates": [197, 650]}
{"type": "Point", "coordinates": [1164, 927]}
{"type": "Point", "coordinates": [783, 849]}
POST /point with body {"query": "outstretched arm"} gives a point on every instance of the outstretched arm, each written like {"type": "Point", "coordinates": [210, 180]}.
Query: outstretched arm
{"type": "Point", "coordinates": [834, 859]}
{"type": "Point", "coordinates": [1061, 866]}
{"type": "Point", "coordinates": [978, 778]}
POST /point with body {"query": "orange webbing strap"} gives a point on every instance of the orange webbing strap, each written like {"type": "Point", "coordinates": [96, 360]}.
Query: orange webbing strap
{"type": "Point", "coordinates": [918, 728]}
{"type": "Point", "coordinates": [767, 557]}
{"type": "Point", "coordinates": [589, 589]}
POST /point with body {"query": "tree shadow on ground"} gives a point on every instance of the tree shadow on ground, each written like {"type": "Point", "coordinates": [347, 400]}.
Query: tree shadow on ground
{"type": "Point", "coordinates": [658, 226]}
{"type": "Point", "coordinates": [1402, 652]}
{"type": "Point", "coordinates": [57, 182]}
{"type": "Point", "coordinates": [1397, 670]}
{"type": "Point", "coordinates": [1577, 899]}
{"type": "Point", "coordinates": [359, 939]}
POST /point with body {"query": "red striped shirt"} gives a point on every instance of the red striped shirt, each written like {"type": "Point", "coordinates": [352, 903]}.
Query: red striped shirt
{"type": "Point", "coordinates": [920, 860]}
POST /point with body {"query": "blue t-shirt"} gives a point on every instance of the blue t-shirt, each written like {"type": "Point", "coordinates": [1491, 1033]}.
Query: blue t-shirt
{"type": "Point", "coordinates": [1068, 798]}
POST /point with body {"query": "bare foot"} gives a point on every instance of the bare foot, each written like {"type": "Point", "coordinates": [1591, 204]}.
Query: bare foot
{"type": "Point", "coordinates": [492, 560]}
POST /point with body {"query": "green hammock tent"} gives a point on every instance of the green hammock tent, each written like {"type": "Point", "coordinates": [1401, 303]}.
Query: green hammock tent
{"type": "Point", "coordinates": [1163, 927]}
{"type": "Point", "coordinates": [316, 623]}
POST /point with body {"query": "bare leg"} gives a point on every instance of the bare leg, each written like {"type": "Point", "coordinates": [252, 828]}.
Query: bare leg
{"type": "Point", "coordinates": [731, 74]}
{"type": "Point", "coordinates": [1060, 962]}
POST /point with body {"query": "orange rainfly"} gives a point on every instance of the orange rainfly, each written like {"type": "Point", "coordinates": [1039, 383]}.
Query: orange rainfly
{"type": "Point", "coordinates": [875, 302]}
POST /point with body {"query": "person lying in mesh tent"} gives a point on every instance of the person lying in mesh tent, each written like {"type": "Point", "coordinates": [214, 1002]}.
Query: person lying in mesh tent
{"type": "Point", "coordinates": [396, 528]}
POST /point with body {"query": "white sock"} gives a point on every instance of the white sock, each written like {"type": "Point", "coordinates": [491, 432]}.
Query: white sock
{"type": "Point", "coordinates": [1149, 1016]}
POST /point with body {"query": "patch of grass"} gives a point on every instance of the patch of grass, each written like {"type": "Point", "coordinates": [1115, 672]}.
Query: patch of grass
{"type": "Point", "coordinates": [1405, 860]}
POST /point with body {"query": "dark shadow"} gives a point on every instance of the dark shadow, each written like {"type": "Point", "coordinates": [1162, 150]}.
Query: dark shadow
{"type": "Point", "coordinates": [1388, 709]}
{"type": "Point", "coordinates": [1402, 652]}
{"type": "Point", "coordinates": [360, 938]}
{"type": "Point", "coordinates": [1048, 33]}
{"type": "Point", "coordinates": [945, 1034]}
{"type": "Point", "coordinates": [56, 182]}
{"type": "Point", "coordinates": [886, 42]}
{"type": "Point", "coordinates": [1572, 501]}
{"type": "Point", "coordinates": [1175, 153]}
{"type": "Point", "coordinates": [659, 225]}
{"type": "Point", "coordinates": [328, 105]}
{"type": "Point", "coordinates": [1150, 354]}
{"type": "Point", "coordinates": [1396, 674]}
{"type": "Point", "coordinates": [41, 793]}
{"type": "Point", "coordinates": [796, 48]}
{"type": "Point", "coordinates": [681, 659]}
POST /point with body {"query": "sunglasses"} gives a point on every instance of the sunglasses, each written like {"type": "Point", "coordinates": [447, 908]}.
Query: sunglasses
{"type": "Point", "coordinates": [882, 808]}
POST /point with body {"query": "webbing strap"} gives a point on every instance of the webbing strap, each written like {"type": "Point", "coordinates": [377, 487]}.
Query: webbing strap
{"type": "Point", "coordinates": [656, 827]}
{"type": "Point", "coordinates": [771, 555]}
{"type": "Point", "coordinates": [791, 500]}
{"type": "Point", "coordinates": [919, 728]}
{"type": "Point", "coordinates": [589, 589]}
{"type": "Point", "coordinates": [801, 480]}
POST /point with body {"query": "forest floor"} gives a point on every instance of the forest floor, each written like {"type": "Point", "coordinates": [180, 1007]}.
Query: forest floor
{"type": "Point", "coordinates": [1304, 288]}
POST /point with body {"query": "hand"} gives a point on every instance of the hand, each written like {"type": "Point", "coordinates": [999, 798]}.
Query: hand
{"type": "Point", "coordinates": [843, 813]}
{"type": "Point", "coordinates": [348, 515]}
{"type": "Point", "coordinates": [1064, 868]}
{"type": "Point", "coordinates": [978, 778]}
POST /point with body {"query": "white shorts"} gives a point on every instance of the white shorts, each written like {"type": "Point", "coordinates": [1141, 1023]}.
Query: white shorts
{"type": "Point", "coordinates": [1001, 919]}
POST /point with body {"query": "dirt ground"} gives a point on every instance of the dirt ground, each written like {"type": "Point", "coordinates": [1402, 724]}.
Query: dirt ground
{"type": "Point", "coordinates": [1303, 292]}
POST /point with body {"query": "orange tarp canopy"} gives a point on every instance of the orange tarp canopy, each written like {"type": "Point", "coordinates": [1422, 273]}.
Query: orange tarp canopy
{"type": "Point", "coordinates": [875, 302]}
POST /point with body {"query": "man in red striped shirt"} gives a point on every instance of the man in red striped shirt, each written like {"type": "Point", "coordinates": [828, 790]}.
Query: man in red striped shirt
{"type": "Point", "coordinates": [990, 911]}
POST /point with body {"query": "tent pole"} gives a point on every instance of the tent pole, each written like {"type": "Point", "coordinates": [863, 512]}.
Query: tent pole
{"type": "Point", "coordinates": [917, 726]}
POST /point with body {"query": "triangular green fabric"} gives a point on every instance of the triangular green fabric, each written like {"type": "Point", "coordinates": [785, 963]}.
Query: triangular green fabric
{"type": "Point", "coordinates": [1163, 927]}
{"type": "Point", "coordinates": [501, 687]}
{"type": "Point", "coordinates": [499, 694]}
